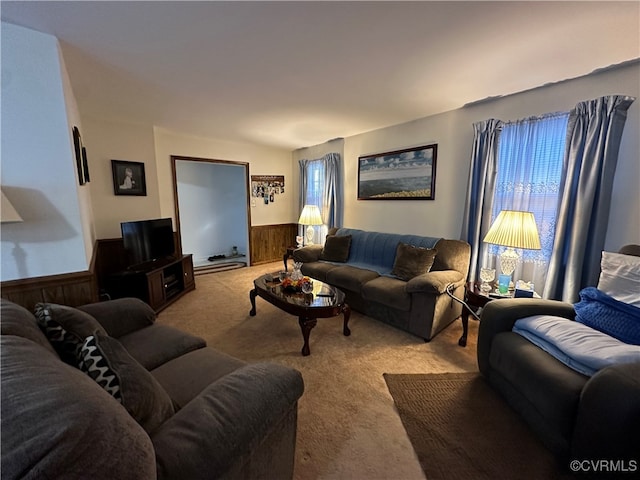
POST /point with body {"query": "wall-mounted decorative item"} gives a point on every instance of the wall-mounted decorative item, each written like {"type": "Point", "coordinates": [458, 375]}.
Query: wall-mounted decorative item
{"type": "Point", "coordinates": [267, 187]}
{"type": "Point", "coordinates": [408, 174]}
{"type": "Point", "coordinates": [128, 178]}
{"type": "Point", "coordinates": [81, 157]}
{"type": "Point", "coordinates": [85, 165]}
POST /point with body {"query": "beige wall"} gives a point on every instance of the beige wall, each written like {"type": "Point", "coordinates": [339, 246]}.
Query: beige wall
{"type": "Point", "coordinates": [453, 133]}
{"type": "Point", "coordinates": [38, 161]}
{"type": "Point", "coordinates": [261, 160]}
{"type": "Point", "coordinates": [84, 192]}
{"type": "Point", "coordinates": [108, 141]}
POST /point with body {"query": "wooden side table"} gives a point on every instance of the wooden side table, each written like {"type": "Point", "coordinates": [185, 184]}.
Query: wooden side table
{"type": "Point", "coordinates": [474, 298]}
{"type": "Point", "coordinates": [288, 254]}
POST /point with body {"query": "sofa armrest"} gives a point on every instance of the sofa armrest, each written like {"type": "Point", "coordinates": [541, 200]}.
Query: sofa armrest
{"type": "Point", "coordinates": [226, 421]}
{"type": "Point", "coordinates": [500, 315]}
{"type": "Point", "coordinates": [310, 253]}
{"type": "Point", "coordinates": [608, 421]}
{"type": "Point", "coordinates": [435, 282]}
{"type": "Point", "coordinates": [121, 316]}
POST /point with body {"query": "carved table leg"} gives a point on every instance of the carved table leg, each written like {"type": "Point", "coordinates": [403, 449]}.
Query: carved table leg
{"type": "Point", "coordinates": [252, 297]}
{"type": "Point", "coordinates": [346, 311]}
{"type": "Point", "coordinates": [306, 324]}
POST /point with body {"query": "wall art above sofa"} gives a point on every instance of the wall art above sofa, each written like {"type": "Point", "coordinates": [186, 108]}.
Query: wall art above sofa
{"type": "Point", "coordinates": [408, 174]}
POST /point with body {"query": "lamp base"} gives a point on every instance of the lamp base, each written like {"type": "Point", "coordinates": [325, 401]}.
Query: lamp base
{"type": "Point", "coordinates": [508, 261]}
{"type": "Point", "coordinates": [310, 233]}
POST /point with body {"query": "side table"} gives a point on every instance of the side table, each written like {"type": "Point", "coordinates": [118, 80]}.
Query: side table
{"type": "Point", "coordinates": [474, 298]}
{"type": "Point", "coordinates": [288, 254]}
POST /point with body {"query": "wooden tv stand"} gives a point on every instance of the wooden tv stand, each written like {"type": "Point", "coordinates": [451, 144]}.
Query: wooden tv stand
{"type": "Point", "coordinates": [158, 286]}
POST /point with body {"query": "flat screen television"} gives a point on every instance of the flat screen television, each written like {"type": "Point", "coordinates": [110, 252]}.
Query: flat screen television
{"type": "Point", "coordinates": [147, 241]}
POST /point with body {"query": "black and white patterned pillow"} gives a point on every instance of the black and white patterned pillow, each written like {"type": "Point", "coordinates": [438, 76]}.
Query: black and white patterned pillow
{"type": "Point", "coordinates": [66, 328]}
{"type": "Point", "coordinates": [107, 362]}
{"type": "Point", "coordinates": [93, 362]}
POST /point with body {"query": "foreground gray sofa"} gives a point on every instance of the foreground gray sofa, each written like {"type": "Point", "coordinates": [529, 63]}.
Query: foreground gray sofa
{"type": "Point", "coordinates": [576, 416]}
{"type": "Point", "coordinates": [176, 409]}
{"type": "Point", "coordinates": [419, 305]}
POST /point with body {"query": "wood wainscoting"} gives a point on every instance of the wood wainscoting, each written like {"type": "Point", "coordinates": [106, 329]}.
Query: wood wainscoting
{"type": "Point", "coordinates": [268, 243]}
{"type": "Point", "coordinates": [74, 289]}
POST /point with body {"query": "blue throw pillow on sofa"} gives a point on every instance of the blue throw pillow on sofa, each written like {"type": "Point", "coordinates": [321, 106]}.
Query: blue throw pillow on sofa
{"type": "Point", "coordinates": [608, 315]}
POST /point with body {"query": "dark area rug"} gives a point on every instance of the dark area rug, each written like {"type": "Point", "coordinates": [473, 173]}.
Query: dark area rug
{"type": "Point", "coordinates": [461, 429]}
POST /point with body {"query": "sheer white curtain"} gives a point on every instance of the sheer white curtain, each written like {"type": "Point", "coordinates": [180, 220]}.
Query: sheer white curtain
{"type": "Point", "coordinates": [529, 175]}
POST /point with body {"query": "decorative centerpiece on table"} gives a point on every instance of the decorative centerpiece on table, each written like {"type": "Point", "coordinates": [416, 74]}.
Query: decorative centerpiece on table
{"type": "Point", "coordinates": [299, 285]}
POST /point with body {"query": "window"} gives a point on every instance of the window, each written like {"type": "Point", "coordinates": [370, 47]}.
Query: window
{"type": "Point", "coordinates": [529, 172]}
{"type": "Point", "coordinates": [315, 183]}
{"type": "Point", "coordinates": [313, 195]}
{"type": "Point", "coordinates": [320, 186]}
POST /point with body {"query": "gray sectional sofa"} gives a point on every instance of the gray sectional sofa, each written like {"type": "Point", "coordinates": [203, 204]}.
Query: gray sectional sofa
{"type": "Point", "coordinates": [366, 271]}
{"type": "Point", "coordinates": [143, 401]}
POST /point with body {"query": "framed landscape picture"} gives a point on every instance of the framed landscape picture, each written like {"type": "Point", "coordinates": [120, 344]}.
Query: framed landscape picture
{"type": "Point", "coordinates": [408, 174]}
{"type": "Point", "coordinates": [128, 178]}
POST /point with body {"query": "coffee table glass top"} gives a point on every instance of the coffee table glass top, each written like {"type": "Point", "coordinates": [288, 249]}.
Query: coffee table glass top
{"type": "Point", "coordinates": [323, 295]}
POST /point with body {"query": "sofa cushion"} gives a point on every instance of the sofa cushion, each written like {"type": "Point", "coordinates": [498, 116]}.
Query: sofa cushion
{"type": "Point", "coordinates": [350, 278]}
{"type": "Point", "coordinates": [107, 362]}
{"type": "Point", "coordinates": [122, 315]}
{"type": "Point", "coordinates": [183, 378]}
{"type": "Point", "coordinates": [620, 277]}
{"type": "Point", "coordinates": [606, 314]}
{"type": "Point", "coordinates": [19, 321]}
{"type": "Point", "coordinates": [57, 423]}
{"type": "Point", "coordinates": [318, 270]}
{"type": "Point", "coordinates": [154, 345]}
{"type": "Point", "coordinates": [66, 328]}
{"type": "Point", "coordinates": [230, 420]}
{"type": "Point", "coordinates": [336, 249]}
{"type": "Point", "coordinates": [452, 255]}
{"type": "Point", "coordinates": [412, 261]}
{"type": "Point", "coordinates": [387, 291]}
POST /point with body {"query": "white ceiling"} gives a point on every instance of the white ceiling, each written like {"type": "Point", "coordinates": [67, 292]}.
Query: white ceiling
{"type": "Point", "coordinates": [294, 74]}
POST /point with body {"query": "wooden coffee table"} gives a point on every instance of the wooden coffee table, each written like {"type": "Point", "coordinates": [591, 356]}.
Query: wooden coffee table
{"type": "Point", "coordinates": [324, 302]}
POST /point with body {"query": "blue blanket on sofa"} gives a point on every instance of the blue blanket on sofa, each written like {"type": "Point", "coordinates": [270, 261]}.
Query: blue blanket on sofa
{"type": "Point", "coordinates": [377, 251]}
{"type": "Point", "coordinates": [598, 310]}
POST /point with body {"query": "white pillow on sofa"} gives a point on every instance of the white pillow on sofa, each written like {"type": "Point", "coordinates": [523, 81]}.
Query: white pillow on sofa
{"type": "Point", "coordinates": [620, 277]}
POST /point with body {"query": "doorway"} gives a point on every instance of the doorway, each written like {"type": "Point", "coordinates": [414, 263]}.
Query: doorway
{"type": "Point", "coordinates": [212, 209]}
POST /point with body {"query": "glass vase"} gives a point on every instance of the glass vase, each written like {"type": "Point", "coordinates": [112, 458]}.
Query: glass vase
{"type": "Point", "coordinates": [296, 274]}
{"type": "Point", "coordinates": [487, 275]}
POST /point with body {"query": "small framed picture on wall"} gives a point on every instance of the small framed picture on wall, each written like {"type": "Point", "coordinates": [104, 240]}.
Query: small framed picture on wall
{"type": "Point", "coordinates": [128, 178]}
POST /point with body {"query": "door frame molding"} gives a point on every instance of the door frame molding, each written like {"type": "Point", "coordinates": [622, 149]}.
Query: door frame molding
{"type": "Point", "coordinates": [174, 179]}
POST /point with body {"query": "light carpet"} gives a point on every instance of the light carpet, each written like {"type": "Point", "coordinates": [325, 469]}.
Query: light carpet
{"type": "Point", "coordinates": [348, 427]}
